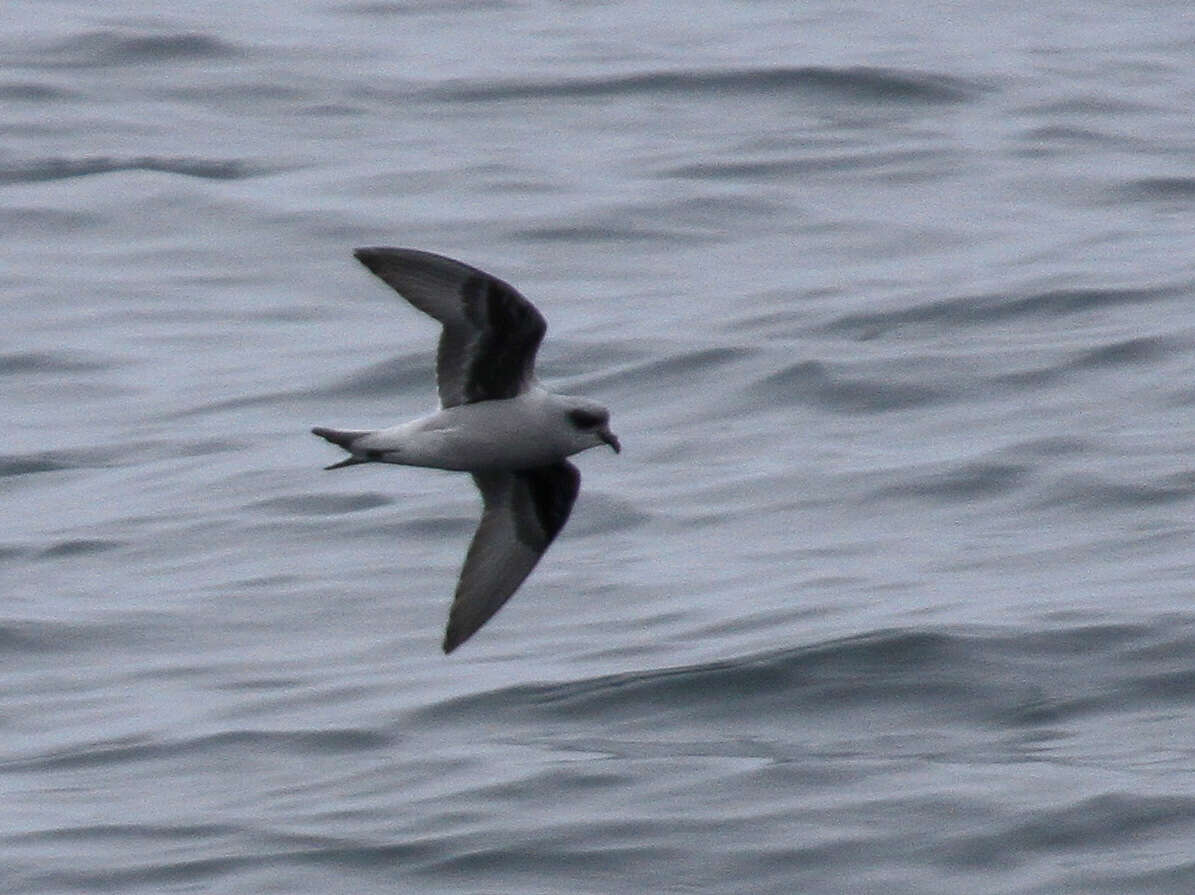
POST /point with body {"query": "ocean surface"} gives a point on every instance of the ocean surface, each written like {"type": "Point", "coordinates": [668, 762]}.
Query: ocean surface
{"type": "Point", "coordinates": [892, 589]}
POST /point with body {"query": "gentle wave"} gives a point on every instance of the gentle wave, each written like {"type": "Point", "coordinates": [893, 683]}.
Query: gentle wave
{"type": "Point", "coordinates": [33, 92]}
{"type": "Point", "coordinates": [1111, 356]}
{"type": "Point", "coordinates": [609, 232]}
{"type": "Point", "coordinates": [404, 374]}
{"type": "Point", "coordinates": [858, 83]}
{"type": "Point", "coordinates": [323, 504]}
{"type": "Point", "coordinates": [963, 482]}
{"type": "Point", "coordinates": [80, 547]}
{"type": "Point", "coordinates": [1115, 819]}
{"type": "Point", "coordinates": [297, 742]}
{"type": "Point", "coordinates": [1098, 493]}
{"type": "Point", "coordinates": [408, 8]}
{"type": "Point", "coordinates": [117, 832]}
{"type": "Point", "coordinates": [53, 461]}
{"type": "Point", "coordinates": [28, 637]}
{"type": "Point", "coordinates": [114, 48]}
{"type": "Point", "coordinates": [1155, 189]}
{"type": "Point", "coordinates": [680, 367]}
{"type": "Point", "coordinates": [48, 362]}
{"type": "Point", "coordinates": [40, 170]}
{"type": "Point", "coordinates": [1003, 678]}
{"type": "Point", "coordinates": [1120, 353]}
{"type": "Point", "coordinates": [983, 309]}
{"type": "Point", "coordinates": [932, 163]}
{"type": "Point", "coordinates": [819, 384]}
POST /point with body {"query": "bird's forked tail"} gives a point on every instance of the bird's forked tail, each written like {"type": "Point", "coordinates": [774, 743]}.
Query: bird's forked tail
{"type": "Point", "coordinates": [342, 438]}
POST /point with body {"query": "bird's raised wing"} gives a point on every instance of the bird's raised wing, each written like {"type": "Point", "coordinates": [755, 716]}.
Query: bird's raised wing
{"type": "Point", "coordinates": [491, 332]}
{"type": "Point", "coordinates": [524, 511]}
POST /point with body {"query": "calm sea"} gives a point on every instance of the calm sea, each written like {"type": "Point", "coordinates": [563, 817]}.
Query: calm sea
{"type": "Point", "coordinates": [890, 591]}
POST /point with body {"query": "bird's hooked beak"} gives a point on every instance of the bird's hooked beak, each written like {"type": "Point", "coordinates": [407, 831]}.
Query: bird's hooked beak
{"type": "Point", "coordinates": [611, 439]}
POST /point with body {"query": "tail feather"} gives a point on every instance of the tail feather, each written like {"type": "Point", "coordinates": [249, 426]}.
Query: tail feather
{"type": "Point", "coordinates": [342, 438]}
{"type": "Point", "coordinates": [347, 461]}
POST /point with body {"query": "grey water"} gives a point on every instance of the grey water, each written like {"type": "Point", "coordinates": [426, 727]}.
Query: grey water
{"type": "Point", "coordinates": [889, 591]}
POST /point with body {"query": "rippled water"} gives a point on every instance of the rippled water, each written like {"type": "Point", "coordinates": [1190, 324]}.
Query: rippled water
{"type": "Point", "coordinates": [890, 590]}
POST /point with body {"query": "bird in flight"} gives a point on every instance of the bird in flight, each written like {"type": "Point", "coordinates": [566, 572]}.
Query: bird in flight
{"type": "Point", "coordinates": [495, 421]}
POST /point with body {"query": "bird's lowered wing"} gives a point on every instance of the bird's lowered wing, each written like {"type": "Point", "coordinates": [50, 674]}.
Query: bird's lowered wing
{"type": "Point", "coordinates": [524, 511]}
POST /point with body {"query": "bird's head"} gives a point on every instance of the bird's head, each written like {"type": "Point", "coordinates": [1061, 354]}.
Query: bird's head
{"type": "Point", "coordinates": [590, 424]}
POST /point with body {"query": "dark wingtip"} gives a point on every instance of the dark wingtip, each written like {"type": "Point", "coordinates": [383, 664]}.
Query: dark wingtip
{"type": "Point", "coordinates": [455, 635]}
{"type": "Point", "coordinates": [370, 256]}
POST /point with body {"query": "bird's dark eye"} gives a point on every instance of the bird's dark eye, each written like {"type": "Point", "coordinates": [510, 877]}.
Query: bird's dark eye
{"type": "Point", "coordinates": [586, 419]}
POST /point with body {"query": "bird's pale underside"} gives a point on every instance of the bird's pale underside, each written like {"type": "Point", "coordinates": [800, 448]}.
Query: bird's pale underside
{"type": "Point", "coordinates": [495, 421]}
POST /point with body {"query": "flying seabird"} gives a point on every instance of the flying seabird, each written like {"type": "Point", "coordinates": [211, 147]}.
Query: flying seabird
{"type": "Point", "coordinates": [495, 421]}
